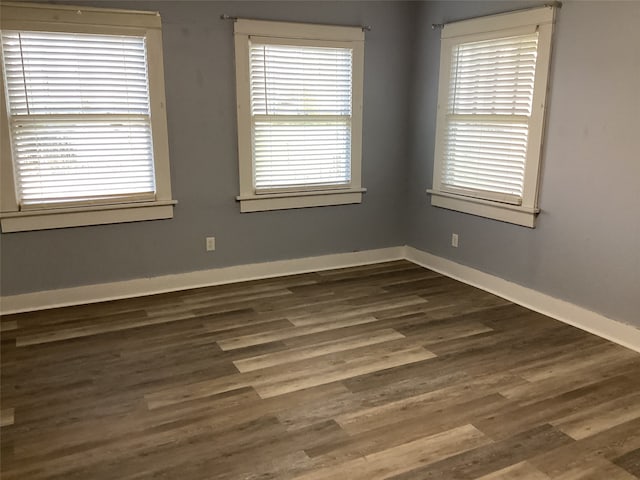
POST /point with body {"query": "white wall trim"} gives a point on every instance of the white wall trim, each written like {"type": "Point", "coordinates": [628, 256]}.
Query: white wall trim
{"type": "Point", "coordinates": [618, 332]}
{"type": "Point", "coordinates": [202, 278]}
{"type": "Point", "coordinates": [592, 322]}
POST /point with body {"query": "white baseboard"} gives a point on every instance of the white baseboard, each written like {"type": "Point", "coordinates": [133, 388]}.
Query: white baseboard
{"type": "Point", "coordinates": [203, 278]}
{"type": "Point", "coordinates": [618, 332]}
{"type": "Point", "coordinates": [621, 333]}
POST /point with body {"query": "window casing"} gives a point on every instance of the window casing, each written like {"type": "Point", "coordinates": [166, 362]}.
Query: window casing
{"type": "Point", "coordinates": [490, 118]}
{"type": "Point", "coordinates": [299, 100]}
{"type": "Point", "coordinates": [84, 135]}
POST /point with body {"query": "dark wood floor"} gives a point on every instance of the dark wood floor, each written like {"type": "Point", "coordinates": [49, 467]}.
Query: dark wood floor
{"type": "Point", "coordinates": [382, 371]}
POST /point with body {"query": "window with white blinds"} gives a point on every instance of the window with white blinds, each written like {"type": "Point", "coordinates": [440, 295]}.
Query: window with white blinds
{"type": "Point", "coordinates": [490, 95]}
{"type": "Point", "coordinates": [79, 117]}
{"type": "Point", "coordinates": [299, 93]}
{"type": "Point", "coordinates": [301, 115]}
{"type": "Point", "coordinates": [492, 89]}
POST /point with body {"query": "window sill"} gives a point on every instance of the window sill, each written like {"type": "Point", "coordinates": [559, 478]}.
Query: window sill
{"type": "Point", "coordinates": [503, 212]}
{"type": "Point", "coordinates": [83, 216]}
{"type": "Point", "coordinates": [283, 201]}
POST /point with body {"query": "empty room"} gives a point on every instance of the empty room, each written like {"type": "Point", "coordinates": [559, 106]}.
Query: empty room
{"type": "Point", "coordinates": [320, 240]}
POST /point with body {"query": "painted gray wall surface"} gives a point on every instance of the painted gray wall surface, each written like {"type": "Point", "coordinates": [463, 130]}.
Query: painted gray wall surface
{"type": "Point", "coordinates": [585, 249]}
{"type": "Point", "coordinates": [586, 245]}
{"type": "Point", "coordinates": [200, 93]}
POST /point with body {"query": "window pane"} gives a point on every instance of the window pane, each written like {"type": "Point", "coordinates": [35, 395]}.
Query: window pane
{"type": "Point", "coordinates": [493, 76]}
{"type": "Point", "coordinates": [490, 97]}
{"type": "Point", "coordinates": [301, 153]}
{"type": "Point", "coordinates": [486, 156]}
{"type": "Point", "coordinates": [73, 160]}
{"type": "Point", "coordinates": [80, 117]}
{"type": "Point", "coordinates": [51, 73]}
{"type": "Point", "coordinates": [291, 80]}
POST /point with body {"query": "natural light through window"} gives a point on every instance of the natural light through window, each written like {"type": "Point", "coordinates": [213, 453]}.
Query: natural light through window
{"type": "Point", "coordinates": [83, 117]}
{"type": "Point", "coordinates": [490, 120]}
{"type": "Point", "coordinates": [299, 98]}
{"type": "Point", "coordinates": [79, 117]}
{"type": "Point", "coordinates": [490, 94]}
{"type": "Point", "coordinates": [301, 115]}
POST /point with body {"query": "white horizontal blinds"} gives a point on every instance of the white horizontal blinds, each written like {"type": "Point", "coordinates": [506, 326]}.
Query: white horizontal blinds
{"type": "Point", "coordinates": [494, 76]}
{"type": "Point", "coordinates": [490, 97]}
{"type": "Point", "coordinates": [79, 117]}
{"type": "Point", "coordinates": [301, 115]}
{"type": "Point", "coordinates": [81, 160]}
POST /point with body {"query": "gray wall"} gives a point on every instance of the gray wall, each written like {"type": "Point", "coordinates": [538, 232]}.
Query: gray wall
{"type": "Point", "coordinates": [200, 85]}
{"type": "Point", "coordinates": [585, 249]}
{"type": "Point", "coordinates": [586, 246]}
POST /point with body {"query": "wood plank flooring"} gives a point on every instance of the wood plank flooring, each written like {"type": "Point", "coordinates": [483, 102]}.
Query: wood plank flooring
{"type": "Point", "coordinates": [386, 371]}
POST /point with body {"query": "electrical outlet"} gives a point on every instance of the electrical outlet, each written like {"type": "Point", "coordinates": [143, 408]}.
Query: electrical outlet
{"type": "Point", "coordinates": [211, 244]}
{"type": "Point", "coordinates": [454, 240]}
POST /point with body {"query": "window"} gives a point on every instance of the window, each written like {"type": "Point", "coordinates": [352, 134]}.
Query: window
{"type": "Point", "coordinates": [491, 104]}
{"type": "Point", "coordinates": [82, 96]}
{"type": "Point", "coordinates": [299, 94]}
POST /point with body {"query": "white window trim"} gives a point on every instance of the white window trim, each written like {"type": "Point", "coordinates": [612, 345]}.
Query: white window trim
{"type": "Point", "coordinates": [484, 28]}
{"type": "Point", "coordinates": [62, 18]}
{"type": "Point", "coordinates": [321, 35]}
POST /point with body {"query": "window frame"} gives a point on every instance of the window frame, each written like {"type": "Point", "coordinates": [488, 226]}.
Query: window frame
{"type": "Point", "coordinates": [486, 28]}
{"type": "Point", "coordinates": [69, 19]}
{"type": "Point", "coordinates": [308, 35]}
